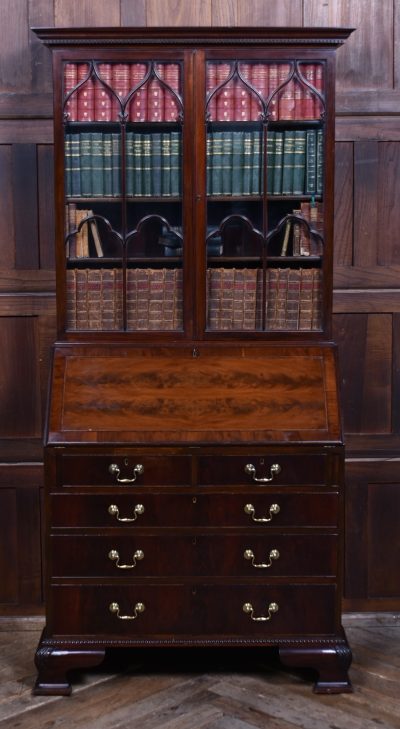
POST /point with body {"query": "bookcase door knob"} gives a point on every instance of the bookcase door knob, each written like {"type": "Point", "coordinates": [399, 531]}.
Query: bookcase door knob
{"type": "Point", "coordinates": [273, 510]}
{"type": "Point", "coordinates": [273, 607]}
{"type": "Point", "coordinates": [115, 471]}
{"type": "Point", "coordinates": [251, 471]}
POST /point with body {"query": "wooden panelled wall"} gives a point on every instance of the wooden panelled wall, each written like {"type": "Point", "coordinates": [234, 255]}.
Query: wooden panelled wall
{"type": "Point", "coordinates": [367, 267]}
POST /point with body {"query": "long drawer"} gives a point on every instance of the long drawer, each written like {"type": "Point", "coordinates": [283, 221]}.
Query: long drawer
{"type": "Point", "coordinates": [112, 470]}
{"type": "Point", "coordinates": [269, 469]}
{"type": "Point", "coordinates": [126, 557]}
{"type": "Point", "coordinates": [214, 509]}
{"type": "Point", "coordinates": [175, 609]}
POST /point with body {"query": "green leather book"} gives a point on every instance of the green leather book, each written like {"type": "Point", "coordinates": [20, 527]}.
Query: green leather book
{"type": "Point", "coordinates": [320, 162]}
{"type": "Point", "coordinates": [166, 164]}
{"type": "Point", "coordinates": [68, 164]}
{"type": "Point", "coordinates": [129, 190]}
{"type": "Point", "coordinates": [85, 152]}
{"type": "Point", "coordinates": [256, 157]}
{"type": "Point", "coordinates": [299, 165]}
{"type": "Point", "coordinates": [270, 162]}
{"type": "Point", "coordinates": [137, 164]}
{"type": "Point", "coordinates": [288, 163]}
{"type": "Point", "coordinates": [237, 163]}
{"type": "Point", "coordinates": [176, 171]}
{"type": "Point", "coordinates": [311, 160]}
{"type": "Point", "coordinates": [209, 163]}
{"type": "Point", "coordinates": [116, 164]}
{"type": "Point", "coordinates": [146, 165]}
{"type": "Point", "coordinates": [278, 161]}
{"type": "Point", "coordinates": [108, 163]}
{"type": "Point", "coordinates": [216, 154]}
{"type": "Point", "coordinates": [97, 160]}
{"type": "Point", "coordinates": [247, 161]}
{"type": "Point", "coordinates": [226, 162]}
{"type": "Point", "coordinates": [156, 164]}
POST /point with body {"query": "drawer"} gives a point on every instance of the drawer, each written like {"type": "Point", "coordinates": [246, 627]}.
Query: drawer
{"type": "Point", "coordinates": [204, 611]}
{"type": "Point", "coordinates": [130, 471]}
{"type": "Point", "coordinates": [262, 470]}
{"type": "Point", "coordinates": [255, 556]}
{"type": "Point", "coordinates": [169, 509]}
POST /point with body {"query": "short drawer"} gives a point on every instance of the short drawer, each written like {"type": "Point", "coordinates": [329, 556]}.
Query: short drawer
{"type": "Point", "coordinates": [170, 509]}
{"type": "Point", "coordinates": [262, 470]}
{"type": "Point", "coordinates": [192, 610]}
{"type": "Point", "coordinates": [198, 554]}
{"type": "Point", "coordinates": [130, 471]}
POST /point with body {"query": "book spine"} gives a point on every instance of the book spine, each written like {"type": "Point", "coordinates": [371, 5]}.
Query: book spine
{"type": "Point", "coordinates": [237, 163]}
{"type": "Point", "coordinates": [306, 299]}
{"type": "Point", "coordinates": [255, 179]}
{"type": "Point", "coordinates": [97, 164]}
{"type": "Point", "coordinates": [316, 321]}
{"type": "Point", "coordinates": [320, 162]}
{"type": "Point", "coordinates": [70, 81]}
{"type": "Point", "coordinates": [286, 108]}
{"type": "Point", "coordinates": [68, 164]}
{"type": "Point", "coordinates": [299, 164]}
{"type": "Point", "coordinates": [278, 162]}
{"type": "Point", "coordinates": [308, 103]}
{"type": "Point", "coordinates": [270, 161]}
{"type": "Point", "coordinates": [319, 85]}
{"type": "Point", "coordinates": [226, 162]}
{"type": "Point", "coordinates": [293, 300]}
{"type": "Point", "coordinates": [247, 161]}
{"type": "Point", "coordinates": [85, 153]}
{"type": "Point", "coordinates": [242, 97]}
{"type": "Point", "coordinates": [259, 79]}
{"type": "Point", "coordinates": [156, 170]}
{"type": "Point", "coordinates": [172, 79]}
{"type": "Point", "coordinates": [225, 102]}
{"type": "Point", "coordinates": [176, 166]}
{"type": "Point", "coordinates": [71, 300]}
{"type": "Point", "coordinates": [120, 85]}
{"type": "Point", "coordinates": [146, 165]}
{"type": "Point", "coordinates": [216, 151]}
{"type": "Point", "coordinates": [211, 82]}
{"type": "Point", "coordinates": [116, 164]}
{"type": "Point", "coordinates": [165, 164]}
{"type": "Point", "coordinates": [85, 102]}
{"type": "Point", "coordinates": [288, 163]}
{"type": "Point", "coordinates": [102, 97]}
{"type": "Point", "coordinates": [130, 189]}
{"type": "Point", "coordinates": [107, 165]}
{"type": "Point", "coordinates": [311, 159]}
{"type": "Point", "coordinates": [155, 101]}
{"type": "Point", "coordinates": [137, 164]}
{"type": "Point", "coordinates": [138, 103]}
{"type": "Point", "coordinates": [209, 158]}
{"type": "Point", "coordinates": [273, 83]}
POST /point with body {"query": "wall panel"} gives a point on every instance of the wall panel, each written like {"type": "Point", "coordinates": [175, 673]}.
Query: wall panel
{"type": "Point", "coordinates": [86, 12]}
{"type": "Point", "coordinates": [178, 12]}
{"type": "Point", "coordinates": [269, 12]}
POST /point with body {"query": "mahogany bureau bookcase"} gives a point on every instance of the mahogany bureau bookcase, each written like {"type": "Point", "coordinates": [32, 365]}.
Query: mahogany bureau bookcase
{"type": "Point", "coordinates": [193, 447]}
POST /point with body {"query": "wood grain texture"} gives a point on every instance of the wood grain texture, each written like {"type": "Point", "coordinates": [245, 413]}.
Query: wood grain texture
{"type": "Point", "coordinates": [86, 13]}
{"type": "Point", "coordinates": [7, 232]}
{"type": "Point", "coordinates": [41, 13]}
{"type": "Point", "coordinates": [366, 60]}
{"type": "Point", "coordinates": [387, 201]}
{"type": "Point", "coordinates": [133, 13]}
{"type": "Point", "coordinates": [233, 690]}
{"type": "Point", "coordinates": [269, 12]}
{"type": "Point", "coordinates": [147, 396]}
{"type": "Point", "coordinates": [25, 194]}
{"type": "Point", "coordinates": [343, 222]}
{"type": "Point", "coordinates": [225, 12]}
{"type": "Point", "coordinates": [14, 75]}
{"type": "Point", "coordinates": [383, 541]}
{"type": "Point", "coordinates": [46, 220]}
{"type": "Point", "coordinates": [366, 195]}
{"type": "Point", "coordinates": [178, 12]}
{"type": "Point", "coordinates": [396, 374]}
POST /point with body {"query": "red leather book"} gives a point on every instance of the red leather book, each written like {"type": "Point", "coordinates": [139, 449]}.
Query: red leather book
{"type": "Point", "coordinates": [286, 95]}
{"type": "Point", "coordinates": [155, 99]}
{"type": "Point", "coordinates": [121, 85]}
{"type": "Point", "coordinates": [242, 96]}
{"type": "Point", "coordinates": [260, 81]}
{"type": "Point", "coordinates": [172, 79]}
{"type": "Point", "coordinates": [70, 80]}
{"type": "Point", "coordinates": [225, 103]}
{"type": "Point", "coordinates": [308, 101]}
{"type": "Point", "coordinates": [273, 83]}
{"type": "Point", "coordinates": [319, 85]}
{"type": "Point", "coordinates": [138, 104]}
{"type": "Point", "coordinates": [211, 83]}
{"type": "Point", "coordinates": [103, 97]}
{"type": "Point", "coordinates": [85, 95]}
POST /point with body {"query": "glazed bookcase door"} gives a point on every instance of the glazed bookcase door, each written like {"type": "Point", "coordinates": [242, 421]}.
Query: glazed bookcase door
{"type": "Point", "coordinates": [266, 240]}
{"type": "Point", "coordinates": [123, 193]}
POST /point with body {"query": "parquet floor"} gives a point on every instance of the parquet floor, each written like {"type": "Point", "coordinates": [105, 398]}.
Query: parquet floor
{"type": "Point", "coordinates": [213, 690]}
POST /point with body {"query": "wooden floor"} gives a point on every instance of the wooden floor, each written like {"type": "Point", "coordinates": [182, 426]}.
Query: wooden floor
{"type": "Point", "coordinates": [217, 690]}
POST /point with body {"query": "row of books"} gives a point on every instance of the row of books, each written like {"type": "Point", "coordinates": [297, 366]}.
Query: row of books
{"type": "Point", "coordinates": [234, 299]}
{"type": "Point", "coordinates": [86, 242]}
{"type": "Point", "coordinates": [236, 102]}
{"type": "Point", "coordinates": [153, 299]}
{"type": "Point", "coordinates": [93, 164]}
{"type": "Point", "coordinates": [297, 240]}
{"type": "Point", "coordinates": [93, 100]}
{"type": "Point", "coordinates": [295, 161]}
{"type": "Point", "coordinates": [293, 299]}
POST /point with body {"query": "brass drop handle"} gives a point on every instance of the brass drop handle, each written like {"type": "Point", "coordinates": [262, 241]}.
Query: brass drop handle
{"type": "Point", "coordinates": [139, 608]}
{"type": "Point", "coordinates": [273, 510]}
{"type": "Point", "coordinates": [251, 471]}
{"type": "Point", "coordinates": [273, 555]}
{"type": "Point", "coordinates": [114, 511]}
{"type": "Point", "coordinates": [273, 607]}
{"type": "Point", "coordinates": [114, 556]}
{"type": "Point", "coordinates": [115, 471]}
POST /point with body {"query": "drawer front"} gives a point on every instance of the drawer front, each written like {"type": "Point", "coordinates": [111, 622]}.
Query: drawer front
{"type": "Point", "coordinates": [205, 610]}
{"type": "Point", "coordinates": [271, 469]}
{"type": "Point", "coordinates": [131, 471]}
{"type": "Point", "coordinates": [209, 555]}
{"type": "Point", "coordinates": [150, 508]}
